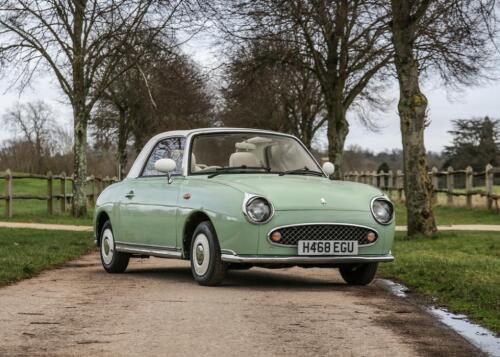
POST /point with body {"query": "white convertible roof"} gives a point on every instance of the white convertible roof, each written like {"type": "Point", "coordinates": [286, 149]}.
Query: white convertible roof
{"type": "Point", "coordinates": [136, 168]}
{"type": "Point", "coordinates": [211, 130]}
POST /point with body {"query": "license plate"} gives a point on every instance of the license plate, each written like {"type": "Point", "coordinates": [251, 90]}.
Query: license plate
{"type": "Point", "coordinates": [328, 247]}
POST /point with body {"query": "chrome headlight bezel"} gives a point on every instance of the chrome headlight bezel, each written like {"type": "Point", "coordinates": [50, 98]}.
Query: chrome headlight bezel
{"type": "Point", "coordinates": [377, 218]}
{"type": "Point", "coordinates": [249, 199]}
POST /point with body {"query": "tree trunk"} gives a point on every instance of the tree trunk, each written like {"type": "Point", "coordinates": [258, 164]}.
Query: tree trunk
{"type": "Point", "coordinates": [80, 115]}
{"type": "Point", "coordinates": [412, 111]}
{"type": "Point", "coordinates": [337, 131]}
{"type": "Point", "coordinates": [123, 135]}
{"type": "Point", "coordinates": [80, 157]}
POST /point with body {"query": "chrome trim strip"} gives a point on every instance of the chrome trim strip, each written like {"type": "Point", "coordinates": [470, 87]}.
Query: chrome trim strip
{"type": "Point", "coordinates": [156, 252]}
{"type": "Point", "coordinates": [305, 259]}
{"type": "Point", "coordinates": [320, 223]}
{"type": "Point", "coordinates": [160, 247]}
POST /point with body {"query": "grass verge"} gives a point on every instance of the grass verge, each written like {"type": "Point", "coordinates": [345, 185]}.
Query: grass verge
{"type": "Point", "coordinates": [25, 252]}
{"type": "Point", "coordinates": [33, 212]}
{"type": "Point", "coordinates": [454, 215]}
{"type": "Point", "coordinates": [461, 270]}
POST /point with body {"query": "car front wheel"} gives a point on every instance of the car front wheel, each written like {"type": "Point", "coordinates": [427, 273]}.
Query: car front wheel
{"type": "Point", "coordinates": [112, 261]}
{"type": "Point", "coordinates": [358, 274]}
{"type": "Point", "coordinates": [206, 262]}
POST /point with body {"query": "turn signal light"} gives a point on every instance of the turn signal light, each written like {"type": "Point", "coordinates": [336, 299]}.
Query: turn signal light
{"type": "Point", "coordinates": [276, 236]}
{"type": "Point", "coordinates": [370, 237]}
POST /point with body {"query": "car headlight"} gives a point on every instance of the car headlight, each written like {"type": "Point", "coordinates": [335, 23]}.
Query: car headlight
{"type": "Point", "coordinates": [258, 209]}
{"type": "Point", "coordinates": [382, 210]}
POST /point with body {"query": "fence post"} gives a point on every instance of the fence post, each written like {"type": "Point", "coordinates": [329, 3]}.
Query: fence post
{"type": "Point", "coordinates": [390, 181]}
{"type": "Point", "coordinates": [375, 179]}
{"type": "Point", "coordinates": [99, 186]}
{"type": "Point", "coordinates": [435, 183]}
{"type": "Point", "coordinates": [62, 181]}
{"type": "Point", "coordinates": [92, 190]}
{"type": "Point", "coordinates": [450, 183]}
{"type": "Point", "coordinates": [50, 194]}
{"type": "Point", "coordinates": [72, 192]}
{"type": "Point", "coordinates": [8, 194]}
{"type": "Point", "coordinates": [489, 185]}
{"type": "Point", "coordinates": [469, 176]}
{"type": "Point", "coordinates": [399, 184]}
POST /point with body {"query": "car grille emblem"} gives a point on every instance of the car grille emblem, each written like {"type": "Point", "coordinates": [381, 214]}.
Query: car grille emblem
{"type": "Point", "coordinates": [323, 201]}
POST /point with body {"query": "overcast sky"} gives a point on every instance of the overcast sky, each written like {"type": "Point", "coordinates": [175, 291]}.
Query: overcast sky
{"type": "Point", "coordinates": [443, 106]}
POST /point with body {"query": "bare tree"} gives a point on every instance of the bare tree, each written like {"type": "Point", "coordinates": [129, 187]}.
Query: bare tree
{"type": "Point", "coordinates": [343, 43]}
{"type": "Point", "coordinates": [450, 37]}
{"type": "Point", "coordinates": [268, 89]}
{"type": "Point", "coordinates": [35, 123]}
{"type": "Point", "coordinates": [164, 91]}
{"type": "Point", "coordinates": [80, 42]}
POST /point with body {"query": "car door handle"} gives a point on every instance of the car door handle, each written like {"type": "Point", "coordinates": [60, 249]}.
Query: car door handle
{"type": "Point", "coordinates": [129, 195]}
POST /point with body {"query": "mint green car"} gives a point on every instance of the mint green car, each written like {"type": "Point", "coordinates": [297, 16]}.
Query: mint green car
{"type": "Point", "coordinates": [237, 198]}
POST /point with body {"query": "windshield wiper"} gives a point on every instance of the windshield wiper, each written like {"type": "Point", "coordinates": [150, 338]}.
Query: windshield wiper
{"type": "Point", "coordinates": [303, 171]}
{"type": "Point", "coordinates": [221, 170]}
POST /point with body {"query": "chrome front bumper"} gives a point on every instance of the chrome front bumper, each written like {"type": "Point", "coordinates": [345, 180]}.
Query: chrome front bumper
{"type": "Point", "coordinates": [256, 259]}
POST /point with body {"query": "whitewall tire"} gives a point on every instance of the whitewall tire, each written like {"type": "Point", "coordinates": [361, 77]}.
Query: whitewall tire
{"type": "Point", "coordinates": [207, 266]}
{"type": "Point", "coordinates": [112, 261]}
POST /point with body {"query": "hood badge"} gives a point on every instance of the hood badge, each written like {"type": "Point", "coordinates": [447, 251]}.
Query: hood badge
{"type": "Point", "coordinates": [323, 201]}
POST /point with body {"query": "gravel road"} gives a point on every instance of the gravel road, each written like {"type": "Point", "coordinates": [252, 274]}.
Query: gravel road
{"type": "Point", "coordinates": [155, 309]}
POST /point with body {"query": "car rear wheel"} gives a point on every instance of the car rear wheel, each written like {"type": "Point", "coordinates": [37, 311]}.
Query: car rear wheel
{"type": "Point", "coordinates": [112, 261]}
{"type": "Point", "coordinates": [206, 262]}
{"type": "Point", "coordinates": [358, 274]}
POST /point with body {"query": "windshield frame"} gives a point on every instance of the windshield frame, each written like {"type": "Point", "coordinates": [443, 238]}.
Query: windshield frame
{"type": "Point", "coordinates": [191, 138]}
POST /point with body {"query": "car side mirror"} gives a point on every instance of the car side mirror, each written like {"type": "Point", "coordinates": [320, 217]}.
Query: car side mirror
{"type": "Point", "coordinates": [166, 166]}
{"type": "Point", "coordinates": [328, 168]}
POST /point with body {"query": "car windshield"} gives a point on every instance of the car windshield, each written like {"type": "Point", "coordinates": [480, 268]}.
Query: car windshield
{"type": "Point", "coordinates": [221, 153]}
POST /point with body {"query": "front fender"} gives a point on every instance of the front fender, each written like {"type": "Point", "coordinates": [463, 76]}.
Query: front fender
{"type": "Point", "coordinates": [223, 205]}
{"type": "Point", "coordinates": [108, 203]}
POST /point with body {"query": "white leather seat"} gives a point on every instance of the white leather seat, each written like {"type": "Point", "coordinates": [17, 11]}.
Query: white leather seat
{"type": "Point", "coordinates": [243, 159]}
{"type": "Point", "coordinates": [194, 167]}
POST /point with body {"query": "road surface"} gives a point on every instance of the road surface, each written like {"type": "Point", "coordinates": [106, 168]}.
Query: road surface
{"type": "Point", "coordinates": [156, 309]}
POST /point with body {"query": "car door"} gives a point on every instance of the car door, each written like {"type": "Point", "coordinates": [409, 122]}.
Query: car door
{"type": "Point", "coordinates": [148, 209]}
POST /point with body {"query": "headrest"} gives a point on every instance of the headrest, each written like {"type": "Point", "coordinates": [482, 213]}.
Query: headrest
{"type": "Point", "coordinates": [259, 140]}
{"type": "Point", "coordinates": [245, 146]}
{"type": "Point", "coordinates": [243, 159]}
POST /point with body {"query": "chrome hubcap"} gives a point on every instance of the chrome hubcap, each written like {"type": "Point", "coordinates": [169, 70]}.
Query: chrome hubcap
{"type": "Point", "coordinates": [107, 246]}
{"type": "Point", "coordinates": [201, 254]}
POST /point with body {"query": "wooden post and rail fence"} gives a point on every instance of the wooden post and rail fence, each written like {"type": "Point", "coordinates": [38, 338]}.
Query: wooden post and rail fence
{"type": "Point", "coordinates": [64, 196]}
{"type": "Point", "coordinates": [479, 184]}
{"type": "Point", "coordinates": [442, 181]}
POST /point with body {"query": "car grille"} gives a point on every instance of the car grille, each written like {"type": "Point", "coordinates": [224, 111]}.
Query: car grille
{"type": "Point", "coordinates": [291, 235]}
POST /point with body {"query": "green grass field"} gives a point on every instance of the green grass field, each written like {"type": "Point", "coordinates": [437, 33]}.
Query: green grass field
{"type": "Point", "coordinates": [462, 270]}
{"type": "Point", "coordinates": [454, 215]}
{"type": "Point", "coordinates": [26, 252]}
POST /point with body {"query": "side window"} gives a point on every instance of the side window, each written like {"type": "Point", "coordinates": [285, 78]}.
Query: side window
{"type": "Point", "coordinates": [171, 148]}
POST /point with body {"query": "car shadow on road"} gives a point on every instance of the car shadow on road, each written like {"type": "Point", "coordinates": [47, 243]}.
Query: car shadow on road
{"type": "Point", "coordinates": [253, 278]}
